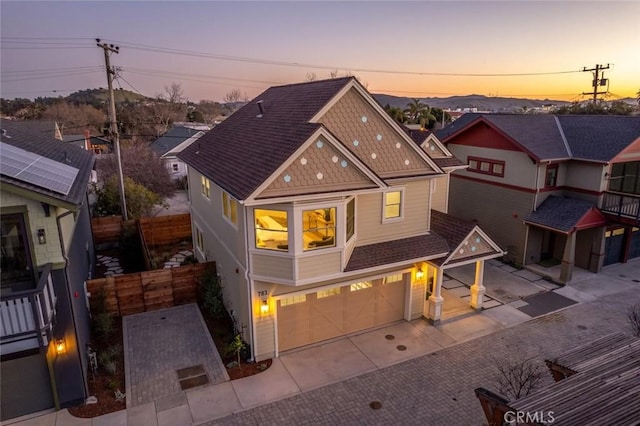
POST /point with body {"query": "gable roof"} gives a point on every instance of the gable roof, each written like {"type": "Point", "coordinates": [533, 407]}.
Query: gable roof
{"type": "Point", "coordinates": [172, 138]}
{"type": "Point", "coordinates": [552, 137]}
{"type": "Point", "coordinates": [38, 138]}
{"type": "Point", "coordinates": [600, 137]}
{"type": "Point", "coordinates": [565, 213]}
{"type": "Point", "coordinates": [248, 147]}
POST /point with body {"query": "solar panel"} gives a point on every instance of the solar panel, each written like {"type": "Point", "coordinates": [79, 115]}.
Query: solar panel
{"type": "Point", "coordinates": [36, 170]}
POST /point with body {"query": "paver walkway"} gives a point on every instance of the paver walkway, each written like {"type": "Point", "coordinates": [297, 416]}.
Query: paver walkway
{"type": "Point", "coordinates": [437, 389]}
{"type": "Point", "coordinates": [159, 343]}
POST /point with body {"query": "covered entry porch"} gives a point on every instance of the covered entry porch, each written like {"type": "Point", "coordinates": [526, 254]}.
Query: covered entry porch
{"type": "Point", "coordinates": [562, 234]}
{"type": "Point", "coordinates": [469, 245]}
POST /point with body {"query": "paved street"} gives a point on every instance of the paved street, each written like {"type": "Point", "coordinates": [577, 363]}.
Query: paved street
{"type": "Point", "coordinates": [437, 389]}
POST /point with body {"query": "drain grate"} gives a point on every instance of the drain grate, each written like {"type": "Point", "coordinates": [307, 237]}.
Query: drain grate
{"type": "Point", "coordinates": [191, 377]}
{"type": "Point", "coordinates": [401, 347]}
{"type": "Point", "coordinates": [376, 405]}
{"type": "Point", "coordinates": [389, 337]}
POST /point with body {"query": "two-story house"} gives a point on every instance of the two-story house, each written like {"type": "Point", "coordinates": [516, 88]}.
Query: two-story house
{"type": "Point", "coordinates": [317, 208]}
{"type": "Point", "coordinates": [559, 191]}
{"type": "Point", "coordinates": [47, 254]}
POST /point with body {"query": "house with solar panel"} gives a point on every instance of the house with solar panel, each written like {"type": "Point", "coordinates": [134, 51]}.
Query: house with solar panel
{"type": "Point", "coordinates": [325, 218]}
{"type": "Point", "coordinates": [167, 146]}
{"type": "Point", "coordinates": [47, 254]}
{"type": "Point", "coordinates": [558, 192]}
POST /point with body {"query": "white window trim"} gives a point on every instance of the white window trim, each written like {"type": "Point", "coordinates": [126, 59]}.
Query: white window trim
{"type": "Point", "coordinates": [203, 180]}
{"type": "Point", "coordinates": [402, 202]}
{"type": "Point", "coordinates": [200, 239]}
{"type": "Point", "coordinates": [262, 250]}
{"type": "Point", "coordinates": [230, 200]}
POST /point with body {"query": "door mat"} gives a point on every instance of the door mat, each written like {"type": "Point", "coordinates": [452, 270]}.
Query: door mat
{"type": "Point", "coordinates": [543, 303]}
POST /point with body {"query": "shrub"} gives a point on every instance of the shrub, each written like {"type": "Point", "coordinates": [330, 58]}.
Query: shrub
{"type": "Point", "coordinates": [210, 292]}
{"type": "Point", "coordinates": [103, 324]}
{"type": "Point", "coordinates": [236, 346]}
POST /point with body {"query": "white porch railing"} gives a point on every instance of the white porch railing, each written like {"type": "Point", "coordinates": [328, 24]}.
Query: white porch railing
{"type": "Point", "coordinates": [30, 313]}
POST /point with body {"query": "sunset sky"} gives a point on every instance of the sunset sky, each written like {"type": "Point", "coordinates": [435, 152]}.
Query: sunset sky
{"type": "Point", "coordinates": [212, 47]}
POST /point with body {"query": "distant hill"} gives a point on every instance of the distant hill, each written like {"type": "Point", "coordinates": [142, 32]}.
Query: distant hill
{"type": "Point", "coordinates": [481, 102]}
{"type": "Point", "coordinates": [101, 95]}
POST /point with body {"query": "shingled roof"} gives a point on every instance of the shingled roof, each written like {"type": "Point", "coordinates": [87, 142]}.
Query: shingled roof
{"type": "Point", "coordinates": [38, 137]}
{"type": "Point", "coordinates": [561, 213]}
{"type": "Point", "coordinates": [171, 139]}
{"type": "Point", "coordinates": [550, 137]}
{"type": "Point", "coordinates": [244, 150]}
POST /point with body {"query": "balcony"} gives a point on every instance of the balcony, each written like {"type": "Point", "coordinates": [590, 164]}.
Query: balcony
{"type": "Point", "coordinates": [27, 316]}
{"type": "Point", "coordinates": [625, 206]}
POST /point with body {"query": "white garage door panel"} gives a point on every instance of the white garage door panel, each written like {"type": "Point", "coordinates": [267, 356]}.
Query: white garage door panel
{"type": "Point", "coordinates": [352, 309]}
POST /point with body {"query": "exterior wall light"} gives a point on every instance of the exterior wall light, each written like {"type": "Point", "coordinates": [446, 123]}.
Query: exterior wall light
{"type": "Point", "coordinates": [42, 238]}
{"type": "Point", "coordinates": [419, 274]}
{"type": "Point", "coordinates": [61, 348]}
{"type": "Point", "coordinates": [264, 308]}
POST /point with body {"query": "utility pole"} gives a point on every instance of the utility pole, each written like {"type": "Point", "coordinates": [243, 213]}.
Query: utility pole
{"type": "Point", "coordinates": [115, 140]}
{"type": "Point", "coordinates": [597, 80]}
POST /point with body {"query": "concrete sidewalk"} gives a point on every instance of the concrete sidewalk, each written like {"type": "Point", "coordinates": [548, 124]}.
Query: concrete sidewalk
{"type": "Point", "coordinates": [310, 368]}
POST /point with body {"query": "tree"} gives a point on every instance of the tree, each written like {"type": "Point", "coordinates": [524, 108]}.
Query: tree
{"type": "Point", "coordinates": [73, 119]}
{"type": "Point", "coordinates": [517, 378]}
{"type": "Point", "coordinates": [142, 165]}
{"type": "Point", "coordinates": [235, 96]}
{"type": "Point", "coordinates": [638, 97]}
{"type": "Point", "coordinates": [396, 113]}
{"type": "Point", "coordinates": [195, 116]}
{"type": "Point", "coordinates": [140, 200]}
{"type": "Point", "coordinates": [174, 93]}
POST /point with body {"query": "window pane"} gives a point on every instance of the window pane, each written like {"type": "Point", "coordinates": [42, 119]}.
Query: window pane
{"type": "Point", "coordinates": [473, 164]}
{"type": "Point", "coordinates": [497, 169]}
{"type": "Point", "coordinates": [319, 228]}
{"type": "Point", "coordinates": [484, 166]}
{"type": "Point", "coordinates": [360, 286]}
{"type": "Point", "coordinates": [293, 300]}
{"type": "Point", "coordinates": [392, 198]}
{"type": "Point", "coordinates": [271, 229]}
{"type": "Point", "coordinates": [391, 211]}
{"type": "Point", "coordinates": [351, 218]}
{"type": "Point", "coordinates": [234, 211]}
{"type": "Point", "coordinates": [16, 261]}
{"type": "Point", "coordinates": [225, 204]}
{"type": "Point", "coordinates": [328, 293]}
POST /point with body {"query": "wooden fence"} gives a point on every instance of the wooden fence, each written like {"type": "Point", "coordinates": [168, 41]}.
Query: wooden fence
{"type": "Point", "coordinates": [147, 291]}
{"type": "Point", "coordinates": [106, 229]}
{"type": "Point", "coordinates": [165, 230]}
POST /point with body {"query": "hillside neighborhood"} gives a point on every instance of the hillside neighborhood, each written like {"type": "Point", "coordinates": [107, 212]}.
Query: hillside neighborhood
{"type": "Point", "coordinates": [319, 255]}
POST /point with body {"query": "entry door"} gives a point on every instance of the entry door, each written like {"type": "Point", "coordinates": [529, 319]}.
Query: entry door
{"type": "Point", "coordinates": [614, 245]}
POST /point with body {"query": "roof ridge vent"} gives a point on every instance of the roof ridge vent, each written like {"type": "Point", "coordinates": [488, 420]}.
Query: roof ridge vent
{"type": "Point", "coordinates": [259, 103]}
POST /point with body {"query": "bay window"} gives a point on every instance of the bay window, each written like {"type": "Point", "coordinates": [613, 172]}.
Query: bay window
{"type": "Point", "coordinates": [271, 229]}
{"type": "Point", "coordinates": [319, 228]}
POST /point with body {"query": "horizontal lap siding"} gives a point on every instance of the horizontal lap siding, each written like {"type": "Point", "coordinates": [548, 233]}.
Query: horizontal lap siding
{"type": "Point", "coordinates": [369, 226]}
{"type": "Point", "coordinates": [440, 195]}
{"type": "Point", "coordinates": [273, 266]}
{"type": "Point", "coordinates": [319, 265]}
{"type": "Point", "coordinates": [499, 211]}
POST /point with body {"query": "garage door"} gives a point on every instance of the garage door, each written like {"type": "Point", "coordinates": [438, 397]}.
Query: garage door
{"type": "Point", "coordinates": [329, 313]}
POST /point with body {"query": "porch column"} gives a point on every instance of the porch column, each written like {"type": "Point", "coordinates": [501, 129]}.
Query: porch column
{"type": "Point", "coordinates": [478, 289]}
{"type": "Point", "coordinates": [568, 258]}
{"type": "Point", "coordinates": [435, 300]}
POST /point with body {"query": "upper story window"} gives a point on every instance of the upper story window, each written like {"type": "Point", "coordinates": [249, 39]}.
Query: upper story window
{"type": "Point", "coordinates": [392, 205]}
{"type": "Point", "coordinates": [319, 228]}
{"type": "Point", "coordinates": [16, 269]}
{"type": "Point", "coordinates": [551, 177]}
{"type": "Point", "coordinates": [229, 208]}
{"type": "Point", "coordinates": [174, 167]}
{"type": "Point", "coordinates": [271, 229]}
{"type": "Point", "coordinates": [486, 166]}
{"type": "Point", "coordinates": [351, 219]}
{"type": "Point", "coordinates": [625, 177]}
{"type": "Point", "coordinates": [206, 186]}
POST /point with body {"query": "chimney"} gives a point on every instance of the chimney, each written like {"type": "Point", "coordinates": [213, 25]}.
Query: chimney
{"type": "Point", "coordinates": [259, 103]}
{"type": "Point", "coordinates": [87, 140]}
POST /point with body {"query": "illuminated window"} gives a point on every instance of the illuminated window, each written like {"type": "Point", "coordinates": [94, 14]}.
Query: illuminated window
{"type": "Point", "coordinates": [486, 166]}
{"type": "Point", "coordinates": [271, 229]}
{"type": "Point", "coordinates": [229, 208]}
{"type": "Point", "coordinates": [328, 293]}
{"type": "Point", "coordinates": [392, 204]}
{"type": "Point", "coordinates": [293, 300]}
{"type": "Point", "coordinates": [319, 228]}
{"type": "Point", "coordinates": [360, 286]}
{"type": "Point", "coordinates": [351, 218]}
{"type": "Point", "coordinates": [392, 278]}
{"type": "Point", "coordinates": [206, 186]}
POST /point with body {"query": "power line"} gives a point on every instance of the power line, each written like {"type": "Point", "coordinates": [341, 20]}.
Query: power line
{"type": "Point", "coordinates": [159, 49]}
